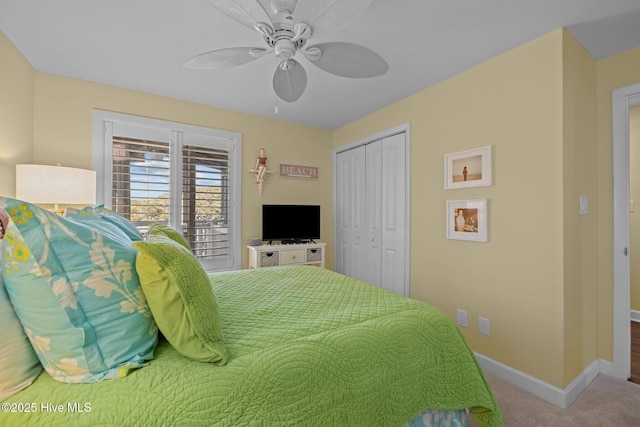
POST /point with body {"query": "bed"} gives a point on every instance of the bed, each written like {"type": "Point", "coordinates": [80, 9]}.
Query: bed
{"type": "Point", "coordinates": [300, 346]}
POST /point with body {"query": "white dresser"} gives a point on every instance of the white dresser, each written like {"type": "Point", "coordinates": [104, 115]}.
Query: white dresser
{"type": "Point", "coordinates": [273, 255]}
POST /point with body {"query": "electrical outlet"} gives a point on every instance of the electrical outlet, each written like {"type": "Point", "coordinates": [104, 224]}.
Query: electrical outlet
{"type": "Point", "coordinates": [462, 318]}
{"type": "Point", "coordinates": [484, 326]}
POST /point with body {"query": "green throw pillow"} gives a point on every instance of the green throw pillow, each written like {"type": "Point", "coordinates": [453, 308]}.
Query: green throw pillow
{"type": "Point", "coordinates": [157, 228]}
{"type": "Point", "coordinates": [181, 300]}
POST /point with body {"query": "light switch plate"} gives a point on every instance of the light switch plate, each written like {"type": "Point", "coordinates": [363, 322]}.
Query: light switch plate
{"type": "Point", "coordinates": [584, 205]}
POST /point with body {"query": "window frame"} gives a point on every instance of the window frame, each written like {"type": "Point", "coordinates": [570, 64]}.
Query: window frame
{"type": "Point", "coordinates": [177, 134]}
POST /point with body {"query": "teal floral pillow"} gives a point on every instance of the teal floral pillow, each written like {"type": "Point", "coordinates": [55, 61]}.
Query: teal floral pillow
{"type": "Point", "coordinates": [75, 290]}
{"type": "Point", "coordinates": [19, 365]}
{"type": "Point", "coordinates": [100, 213]}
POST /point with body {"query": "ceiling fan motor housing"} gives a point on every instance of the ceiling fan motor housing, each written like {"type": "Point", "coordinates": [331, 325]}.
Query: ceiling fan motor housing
{"type": "Point", "coordinates": [283, 37]}
{"type": "Point", "coordinates": [285, 49]}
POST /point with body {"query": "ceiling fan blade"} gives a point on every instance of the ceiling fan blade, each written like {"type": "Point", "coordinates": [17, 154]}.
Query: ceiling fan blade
{"type": "Point", "coordinates": [349, 60]}
{"type": "Point", "coordinates": [246, 12]}
{"type": "Point", "coordinates": [327, 16]}
{"type": "Point", "coordinates": [289, 80]}
{"type": "Point", "coordinates": [223, 58]}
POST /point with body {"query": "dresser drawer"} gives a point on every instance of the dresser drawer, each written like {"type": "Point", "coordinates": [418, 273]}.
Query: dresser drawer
{"type": "Point", "coordinates": [314, 255]}
{"type": "Point", "coordinates": [269, 259]}
{"type": "Point", "coordinates": [292, 256]}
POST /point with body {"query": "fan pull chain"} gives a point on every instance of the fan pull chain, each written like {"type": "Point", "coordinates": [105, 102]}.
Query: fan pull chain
{"type": "Point", "coordinates": [276, 109]}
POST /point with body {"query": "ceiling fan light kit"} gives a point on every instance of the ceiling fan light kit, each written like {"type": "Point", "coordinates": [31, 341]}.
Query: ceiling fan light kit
{"type": "Point", "coordinates": [286, 31]}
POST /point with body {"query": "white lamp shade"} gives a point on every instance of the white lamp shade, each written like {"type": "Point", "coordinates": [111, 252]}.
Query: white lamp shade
{"type": "Point", "coordinates": [55, 185]}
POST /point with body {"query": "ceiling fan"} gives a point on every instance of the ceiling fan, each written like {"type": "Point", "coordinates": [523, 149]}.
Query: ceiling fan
{"type": "Point", "coordinates": [286, 31]}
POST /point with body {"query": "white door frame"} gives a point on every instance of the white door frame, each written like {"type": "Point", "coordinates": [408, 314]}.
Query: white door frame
{"type": "Point", "coordinates": [622, 99]}
{"type": "Point", "coordinates": [406, 129]}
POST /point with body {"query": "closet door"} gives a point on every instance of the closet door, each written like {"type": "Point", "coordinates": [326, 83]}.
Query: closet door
{"type": "Point", "coordinates": [371, 203]}
{"type": "Point", "coordinates": [350, 213]}
{"type": "Point", "coordinates": [393, 207]}
{"type": "Point", "coordinates": [372, 244]}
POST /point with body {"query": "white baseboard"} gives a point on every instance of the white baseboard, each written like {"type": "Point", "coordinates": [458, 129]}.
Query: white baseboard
{"type": "Point", "coordinates": [562, 398]}
{"type": "Point", "coordinates": [606, 367]}
{"type": "Point", "coordinates": [635, 316]}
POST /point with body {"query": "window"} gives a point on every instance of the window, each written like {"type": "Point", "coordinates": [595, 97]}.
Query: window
{"type": "Point", "coordinates": [185, 176]}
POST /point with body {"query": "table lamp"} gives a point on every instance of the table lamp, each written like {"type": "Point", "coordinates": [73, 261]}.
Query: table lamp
{"type": "Point", "coordinates": [46, 184]}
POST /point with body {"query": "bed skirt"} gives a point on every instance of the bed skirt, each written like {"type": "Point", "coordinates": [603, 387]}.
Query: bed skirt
{"type": "Point", "coordinates": [432, 418]}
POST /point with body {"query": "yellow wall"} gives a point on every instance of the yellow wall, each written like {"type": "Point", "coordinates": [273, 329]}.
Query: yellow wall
{"type": "Point", "coordinates": [16, 114]}
{"type": "Point", "coordinates": [514, 103]}
{"type": "Point", "coordinates": [634, 195]}
{"type": "Point", "coordinates": [579, 179]}
{"type": "Point", "coordinates": [62, 133]}
{"type": "Point", "coordinates": [611, 73]}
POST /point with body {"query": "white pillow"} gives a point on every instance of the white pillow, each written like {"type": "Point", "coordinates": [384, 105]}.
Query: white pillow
{"type": "Point", "coordinates": [19, 365]}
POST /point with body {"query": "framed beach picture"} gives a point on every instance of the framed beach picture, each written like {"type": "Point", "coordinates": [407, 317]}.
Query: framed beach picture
{"type": "Point", "coordinates": [470, 168]}
{"type": "Point", "coordinates": [467, 220]}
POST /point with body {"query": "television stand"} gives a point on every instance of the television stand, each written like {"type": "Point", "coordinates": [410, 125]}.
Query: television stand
{"type": "Point", "coordinates": [287, 254]}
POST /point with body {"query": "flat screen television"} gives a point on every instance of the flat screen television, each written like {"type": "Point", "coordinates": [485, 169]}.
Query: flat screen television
{"type": "Point", "coordinates": [290, 223]}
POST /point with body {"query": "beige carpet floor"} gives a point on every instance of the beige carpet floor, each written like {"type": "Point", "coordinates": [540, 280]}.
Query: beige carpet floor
{"type": "Point", "coordinates": [606, 402]}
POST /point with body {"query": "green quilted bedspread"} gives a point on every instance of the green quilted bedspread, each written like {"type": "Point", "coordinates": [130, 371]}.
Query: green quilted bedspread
{"type": "Point", "coordinates": [307, 347]}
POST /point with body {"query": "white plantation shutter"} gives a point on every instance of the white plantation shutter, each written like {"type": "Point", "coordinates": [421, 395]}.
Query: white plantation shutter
{"type": "Point", "coordinates": [183, 176]}
{"type": "Point", "coordinates": [141, 177]}
{"type": "Point", "coordinates": [205, 200]}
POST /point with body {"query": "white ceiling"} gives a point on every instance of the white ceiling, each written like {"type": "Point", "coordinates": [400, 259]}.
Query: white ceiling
{"type": "Point", "coordinates": [142, 44]}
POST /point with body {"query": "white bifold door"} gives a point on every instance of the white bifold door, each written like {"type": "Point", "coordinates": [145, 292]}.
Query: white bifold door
{"type": "Point", "coordinates": [371, 207]}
